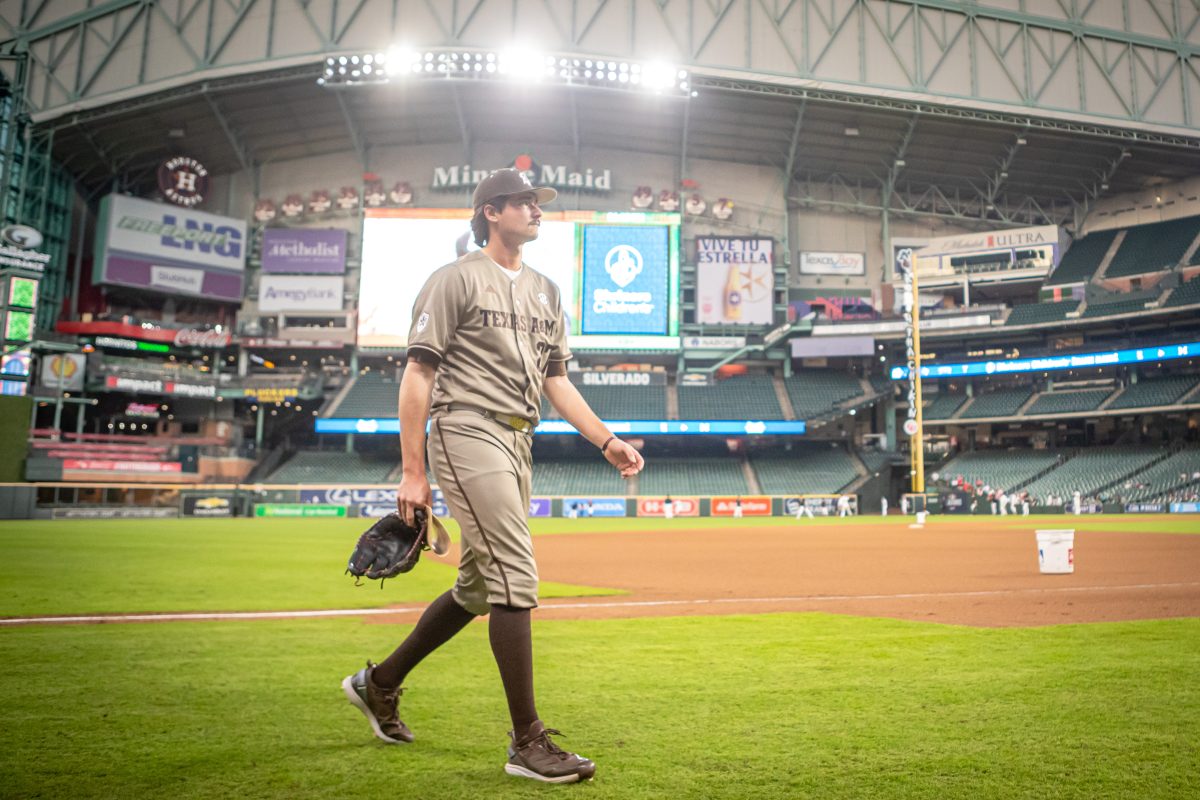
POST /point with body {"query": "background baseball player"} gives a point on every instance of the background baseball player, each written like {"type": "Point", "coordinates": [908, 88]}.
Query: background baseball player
{"type": "Point", "coordinates": [488, 339]}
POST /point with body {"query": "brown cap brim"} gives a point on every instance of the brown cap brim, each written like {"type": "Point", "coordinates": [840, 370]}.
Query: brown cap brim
{"type": "Point", "coordinates": [544, 195]}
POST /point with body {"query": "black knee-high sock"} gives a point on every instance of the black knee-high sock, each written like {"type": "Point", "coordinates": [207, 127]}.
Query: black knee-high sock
{"type": "Point", "coordinates": [512, 645]}
{"type": "Point", "coordinates": [437, 625]}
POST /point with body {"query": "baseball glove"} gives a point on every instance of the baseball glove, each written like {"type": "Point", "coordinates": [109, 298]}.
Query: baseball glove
{"type": "Point", "coordinates": [391, 546]}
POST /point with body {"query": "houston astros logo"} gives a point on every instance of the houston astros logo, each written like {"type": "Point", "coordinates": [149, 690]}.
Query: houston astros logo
{"type": "Point", "coordinates": [623, 264]}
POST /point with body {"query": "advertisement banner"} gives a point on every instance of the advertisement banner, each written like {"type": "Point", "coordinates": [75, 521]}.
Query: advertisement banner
{"type": "Point", "coordinates": [680, 507]}
{"type": "Point", "coordinates": [625, 276]}
{"type": "Point", "coordinates": [368, 497]}
{"type": "Point", "coordinates": [713, 342]}
{"type": "Point", "coordinates": [106, 465]}
{"type": "Point", "coordinates": [208, 506]}
{"type": "Point", "coordinates": [617, 378]}
{"type": "Point", "coordinates": [1145, 508]}
{"type": "Point", "coordinates": [593, 507]}
{"type": "Point", "coordinates": [298, 510]}
{"type": "Point", "coordinates": [539, 506]}
{"type": "Point", "coordinates": [1185, 508]}
{"type": "Point", "coordinates": [299, 250]}
{"type": "Point", "coordinates": [123, 512]}
{"type": "Point", "coordinates": [157, 386]}
{"type": "Point", "coordinates": [833, 264]}
{"type": "Point", "coordinates": [817, 506]}
{"type": "Point", "coordinates": [63, 371]}
{"type": "Point", "coordinates": [299, 293]}
{"type": "Point", "coordinates": [735, 280]}
{"type": "Point", "coordinates": [170, 249]}
{"type": "Point", "coordinates": [373, 511]}
{"type": "Point", "coordinates": [751, 506]}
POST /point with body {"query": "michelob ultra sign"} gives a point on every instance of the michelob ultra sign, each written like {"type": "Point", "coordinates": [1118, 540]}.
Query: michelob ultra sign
{"type": "Point", "coordinates": [735, 280]}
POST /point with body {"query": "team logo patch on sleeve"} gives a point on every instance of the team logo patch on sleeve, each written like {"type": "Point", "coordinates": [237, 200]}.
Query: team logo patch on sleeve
{"type": "Point", "coordinates": [422, 321]}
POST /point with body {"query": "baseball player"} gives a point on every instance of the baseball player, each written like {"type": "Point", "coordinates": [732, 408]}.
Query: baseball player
{"type": "Point", "coordinates": [487, 341]}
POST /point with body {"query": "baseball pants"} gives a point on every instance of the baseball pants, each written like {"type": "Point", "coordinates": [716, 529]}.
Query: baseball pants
{"type": "Point", "coordinates": [484, 468]}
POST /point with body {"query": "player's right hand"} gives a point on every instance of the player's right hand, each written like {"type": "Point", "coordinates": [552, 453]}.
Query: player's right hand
{"type": "Point", "coordinates": [414, 492]}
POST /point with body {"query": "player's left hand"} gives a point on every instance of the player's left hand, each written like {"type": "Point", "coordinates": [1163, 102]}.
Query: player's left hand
{"type": "Point", "coordinates": [625, 458]}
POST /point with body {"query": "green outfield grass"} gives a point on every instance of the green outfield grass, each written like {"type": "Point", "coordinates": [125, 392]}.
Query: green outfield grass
{"type": "Point", "coordinates": [113, 566]}
{"type": "Point", "coordinates": [770, 706]}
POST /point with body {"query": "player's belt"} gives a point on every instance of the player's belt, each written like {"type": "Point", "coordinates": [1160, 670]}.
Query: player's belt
{"type": "Point", "coordinates": [516, 423]}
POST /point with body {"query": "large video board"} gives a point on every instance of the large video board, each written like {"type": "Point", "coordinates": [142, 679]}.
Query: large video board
{"type": "Point", "coordinates": [618, 272]}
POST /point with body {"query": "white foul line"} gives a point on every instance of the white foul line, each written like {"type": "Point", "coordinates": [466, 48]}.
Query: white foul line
{"type": "Point", "coordinates": [363, 612]}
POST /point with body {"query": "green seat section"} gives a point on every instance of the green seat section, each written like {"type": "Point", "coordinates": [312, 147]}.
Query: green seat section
{"type": "Point", "coordinates": [1082, 259]}
{"type": "Point", "coordinates": [999, 403]}
{"type": "Point", "coordinates": [620, 402]}
{"type": "Point", "coordinates": [740, 397]}
{"type": "Point", "coordinates": [590, 476]}
{"type": "Point", "coordinates": [1114, 307]}
{"type": "Point", "coordinates": [809, 468]}
{"type": "Point", "coordinates": [1172, 474]}
{"type": "Point", "coordinates": [1155, 392]}
{"type": "Point", "coordinates": [333, 467]}
{"type": "Point", "coordinates": [700, 475]}
{"type": "Point", "coordinates": [372, 395]}
{"type": "Point", "coordinates": [1067, 402]}
{"type": "Point", "coordinates": [1036, 313]}
{"type": "Point", "coordinates": [1157, 246]}
{"type": "Point", "coordinates": [1186, 294]}
{"type": "Point", "coordinates": [944, 406]}
{"type": "Point", "coordinates": [1092, 470]}
{"type": "Point", "coordinates": [1000, 469]}
{"type": "Point", "coordinates": [814, 392]}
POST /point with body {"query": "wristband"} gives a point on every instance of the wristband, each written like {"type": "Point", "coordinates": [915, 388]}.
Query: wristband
{"type": "Point", "coordinates": [607, 443]}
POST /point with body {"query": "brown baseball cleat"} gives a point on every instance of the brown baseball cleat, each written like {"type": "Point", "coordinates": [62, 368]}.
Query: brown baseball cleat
{"type": "Point", "coordinates": [380, 707]}
{"type": "Point", "coordinates": [538, 757]}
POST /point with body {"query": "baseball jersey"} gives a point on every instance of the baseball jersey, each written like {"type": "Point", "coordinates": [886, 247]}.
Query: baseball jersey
{"type": "Point", "coordinates": [492, 337]}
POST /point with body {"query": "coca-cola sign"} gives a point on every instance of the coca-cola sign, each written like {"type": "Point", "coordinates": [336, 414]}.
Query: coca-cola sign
{"type": "Point", "coordinates": [190, 337]}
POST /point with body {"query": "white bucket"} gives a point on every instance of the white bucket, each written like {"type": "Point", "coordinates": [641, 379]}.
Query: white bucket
{"type": "Point", "coordinates": [1056, 551]}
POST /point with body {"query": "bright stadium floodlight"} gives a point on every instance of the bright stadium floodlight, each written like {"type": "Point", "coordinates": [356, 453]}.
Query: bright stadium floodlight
{"type": "Point", "coordinates": [658, 76]}
{"type": "Point", "coordinates": [521, 63]}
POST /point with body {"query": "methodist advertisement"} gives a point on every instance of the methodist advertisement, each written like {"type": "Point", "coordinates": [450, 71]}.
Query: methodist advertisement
{"type": "Point", "coordinates": [299, 293]}
{"type": "Point", "coordinates": [625, 279]}
{"type": "Point", "coordinates": [402, 247]}
{"type": "Point", "coordinates": [299, 250]}
{"type": "Point", "coordinates": [169, 249]}
{"type": "Point", "coordinates": [735, 280]}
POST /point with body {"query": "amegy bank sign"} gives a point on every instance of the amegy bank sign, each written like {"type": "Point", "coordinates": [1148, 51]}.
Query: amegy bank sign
{"type": "Point", "coordinates": [559, 176]}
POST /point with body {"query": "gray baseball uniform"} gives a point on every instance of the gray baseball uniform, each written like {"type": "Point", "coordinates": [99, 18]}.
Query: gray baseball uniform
{"type": "Point", "coordinates": [493, 335]}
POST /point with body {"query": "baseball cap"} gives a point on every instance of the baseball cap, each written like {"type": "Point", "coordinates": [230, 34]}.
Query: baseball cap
{"type": "Point", "coordinates": [508, 181]}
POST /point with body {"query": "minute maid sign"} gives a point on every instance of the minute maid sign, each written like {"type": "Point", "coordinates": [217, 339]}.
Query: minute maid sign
{"type": "Point", "coordinates": [458, 176]}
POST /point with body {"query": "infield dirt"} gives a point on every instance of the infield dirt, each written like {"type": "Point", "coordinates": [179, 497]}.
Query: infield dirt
{"type": "Point", "coordinates": [973, 572]}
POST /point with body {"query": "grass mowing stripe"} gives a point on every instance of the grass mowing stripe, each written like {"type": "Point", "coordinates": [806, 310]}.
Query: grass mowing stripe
{"type": "Point", "coordinates": [777, 706]}
{"type": "Point", "coordinates": [113, 566]}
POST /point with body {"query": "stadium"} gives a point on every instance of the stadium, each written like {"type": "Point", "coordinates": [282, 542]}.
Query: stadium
{"type": "Point", "coordinates": [885, 292]}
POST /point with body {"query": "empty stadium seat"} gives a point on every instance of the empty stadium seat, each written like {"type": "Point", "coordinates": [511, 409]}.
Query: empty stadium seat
{"type": "Point", "coordinates": [700, 475]}
{"type": "Point", "coordinates": [1000, 469]}
{"type": "Point", "coordinates": [334, 467]}
{"type": "Point", "coordinates": [1036, 313]}
{"type": "Point", "coordinates": [1158, 480]}
{"type": "Point", "coordinates": [807, 469]}
{"type": "Point", "coordinates": [999, 403]}
{"type": "Point", "coordinates": [1082, 259]}
{"type": "Point", "coordinates": [372, 395]}
{"type": "Point", "coordinates": [1155, 392]}
{"type": "Point", "coordinates": [1157, 246]}
{"type": "Point", "coordinates": [740, 397]}
{"type": "Point", "coordinates": [627, 402]}
{"type": "Point", "coordinates": [1067, 402]}
{"type": "Point", "coordinates": [814, 392]}
{"type": "Point", "coordinates": [1185, 294]}
{"type": "Point", "coordinates": [1112, 307]}
{"type": "Point", "coordinates": [580, 476]}
{"type": "Point", "coordinates": [944, 406]}
{"type": "Point", "coordinates": [1092, 470]}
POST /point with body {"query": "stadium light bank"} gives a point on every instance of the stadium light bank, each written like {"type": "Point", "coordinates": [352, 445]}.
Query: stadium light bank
{"type": "Point", "coordinates": [517, 64]}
